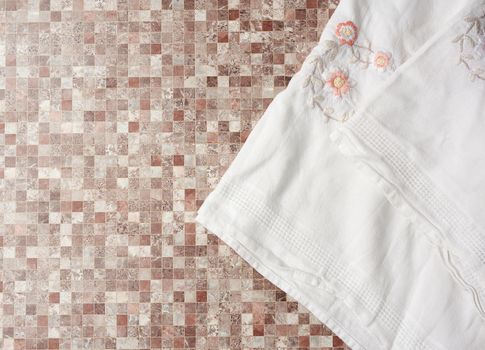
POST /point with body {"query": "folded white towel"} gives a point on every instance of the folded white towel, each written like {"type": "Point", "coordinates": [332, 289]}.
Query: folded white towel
{"type": "Point", "coordinates": [315, 206]}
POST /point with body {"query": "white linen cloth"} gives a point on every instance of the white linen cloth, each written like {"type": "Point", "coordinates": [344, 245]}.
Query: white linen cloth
{"type": "Point", "coordinates": [317, 208]}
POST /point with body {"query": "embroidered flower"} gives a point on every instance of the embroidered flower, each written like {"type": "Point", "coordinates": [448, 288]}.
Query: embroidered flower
{"type": "Point", "coordinates": [470, 44]}
{"type": "Point", "coordinates": [381, 60]}
{"type": "Point", "coordinates": [346, 33]}
{"type": "Point", "coordinates": [339, 82]}
{"type": "Point", "coordinates": [330, 86]}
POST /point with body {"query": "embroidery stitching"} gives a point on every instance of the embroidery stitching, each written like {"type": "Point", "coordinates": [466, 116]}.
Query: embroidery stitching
{"type": "Point", "coordinates": [471, 46]}
{"type": "Point", "coordinates": [346, 33]}
{"type": "Point", "coordinates": [329, 81]}
{"type": "Point", "coordinates": [339, 81]}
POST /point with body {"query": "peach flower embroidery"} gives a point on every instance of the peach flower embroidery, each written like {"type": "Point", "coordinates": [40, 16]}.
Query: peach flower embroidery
{"type": "Point", "coordinates": [381, 61]}
{"type": "Point", "coordinates": [339, 82]}
{"type": "Point", "coordinates": [346, 33]}
{"type": "Point", "coordinates": [332, 86]}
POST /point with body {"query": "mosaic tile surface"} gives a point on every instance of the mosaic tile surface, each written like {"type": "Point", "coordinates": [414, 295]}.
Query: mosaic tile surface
{"type": "Point", "coordinates": [117, 118]}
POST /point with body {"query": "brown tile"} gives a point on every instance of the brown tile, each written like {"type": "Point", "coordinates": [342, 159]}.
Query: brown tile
{"type": "Point", "coordinates": [53, 344]}
{"type": "Point", "coordinates": [121, 320]}
{"type": "Point", "coordinates": [133, 127]}
{"type": "Point", "coordinates": [54, 298]}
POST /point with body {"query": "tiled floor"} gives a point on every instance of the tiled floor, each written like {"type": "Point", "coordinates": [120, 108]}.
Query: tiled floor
{"type": "Point", "coordinates": [117, 117]}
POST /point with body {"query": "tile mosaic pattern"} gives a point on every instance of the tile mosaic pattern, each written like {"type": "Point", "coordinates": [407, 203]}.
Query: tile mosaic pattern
{"type": "Point", "coordinates": [117, 118]}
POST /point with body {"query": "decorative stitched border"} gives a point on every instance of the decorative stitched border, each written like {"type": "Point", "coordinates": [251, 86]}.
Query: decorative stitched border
{"type": "Point", "coordinates": [460, 229]}
{"type": "Point", "coordinates": [295, 238]}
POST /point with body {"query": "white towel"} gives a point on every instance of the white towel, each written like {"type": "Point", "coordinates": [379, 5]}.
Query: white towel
{"type": "Point", "coordinates": [316, 206]}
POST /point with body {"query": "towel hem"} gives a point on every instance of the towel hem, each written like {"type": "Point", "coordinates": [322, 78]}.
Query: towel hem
{"type": "Point", "coordinates": [455, 232]}
{"type": "Point", "coordinates": [235, 212]}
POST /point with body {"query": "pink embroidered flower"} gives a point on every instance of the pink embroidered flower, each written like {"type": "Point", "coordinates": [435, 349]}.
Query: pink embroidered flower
{"type": "Point", "coordinates": [346, 33]}
{"type": "Point", "coordinates": [339, 82]}
{"type": "Point", "coordinates": [381, 60]}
